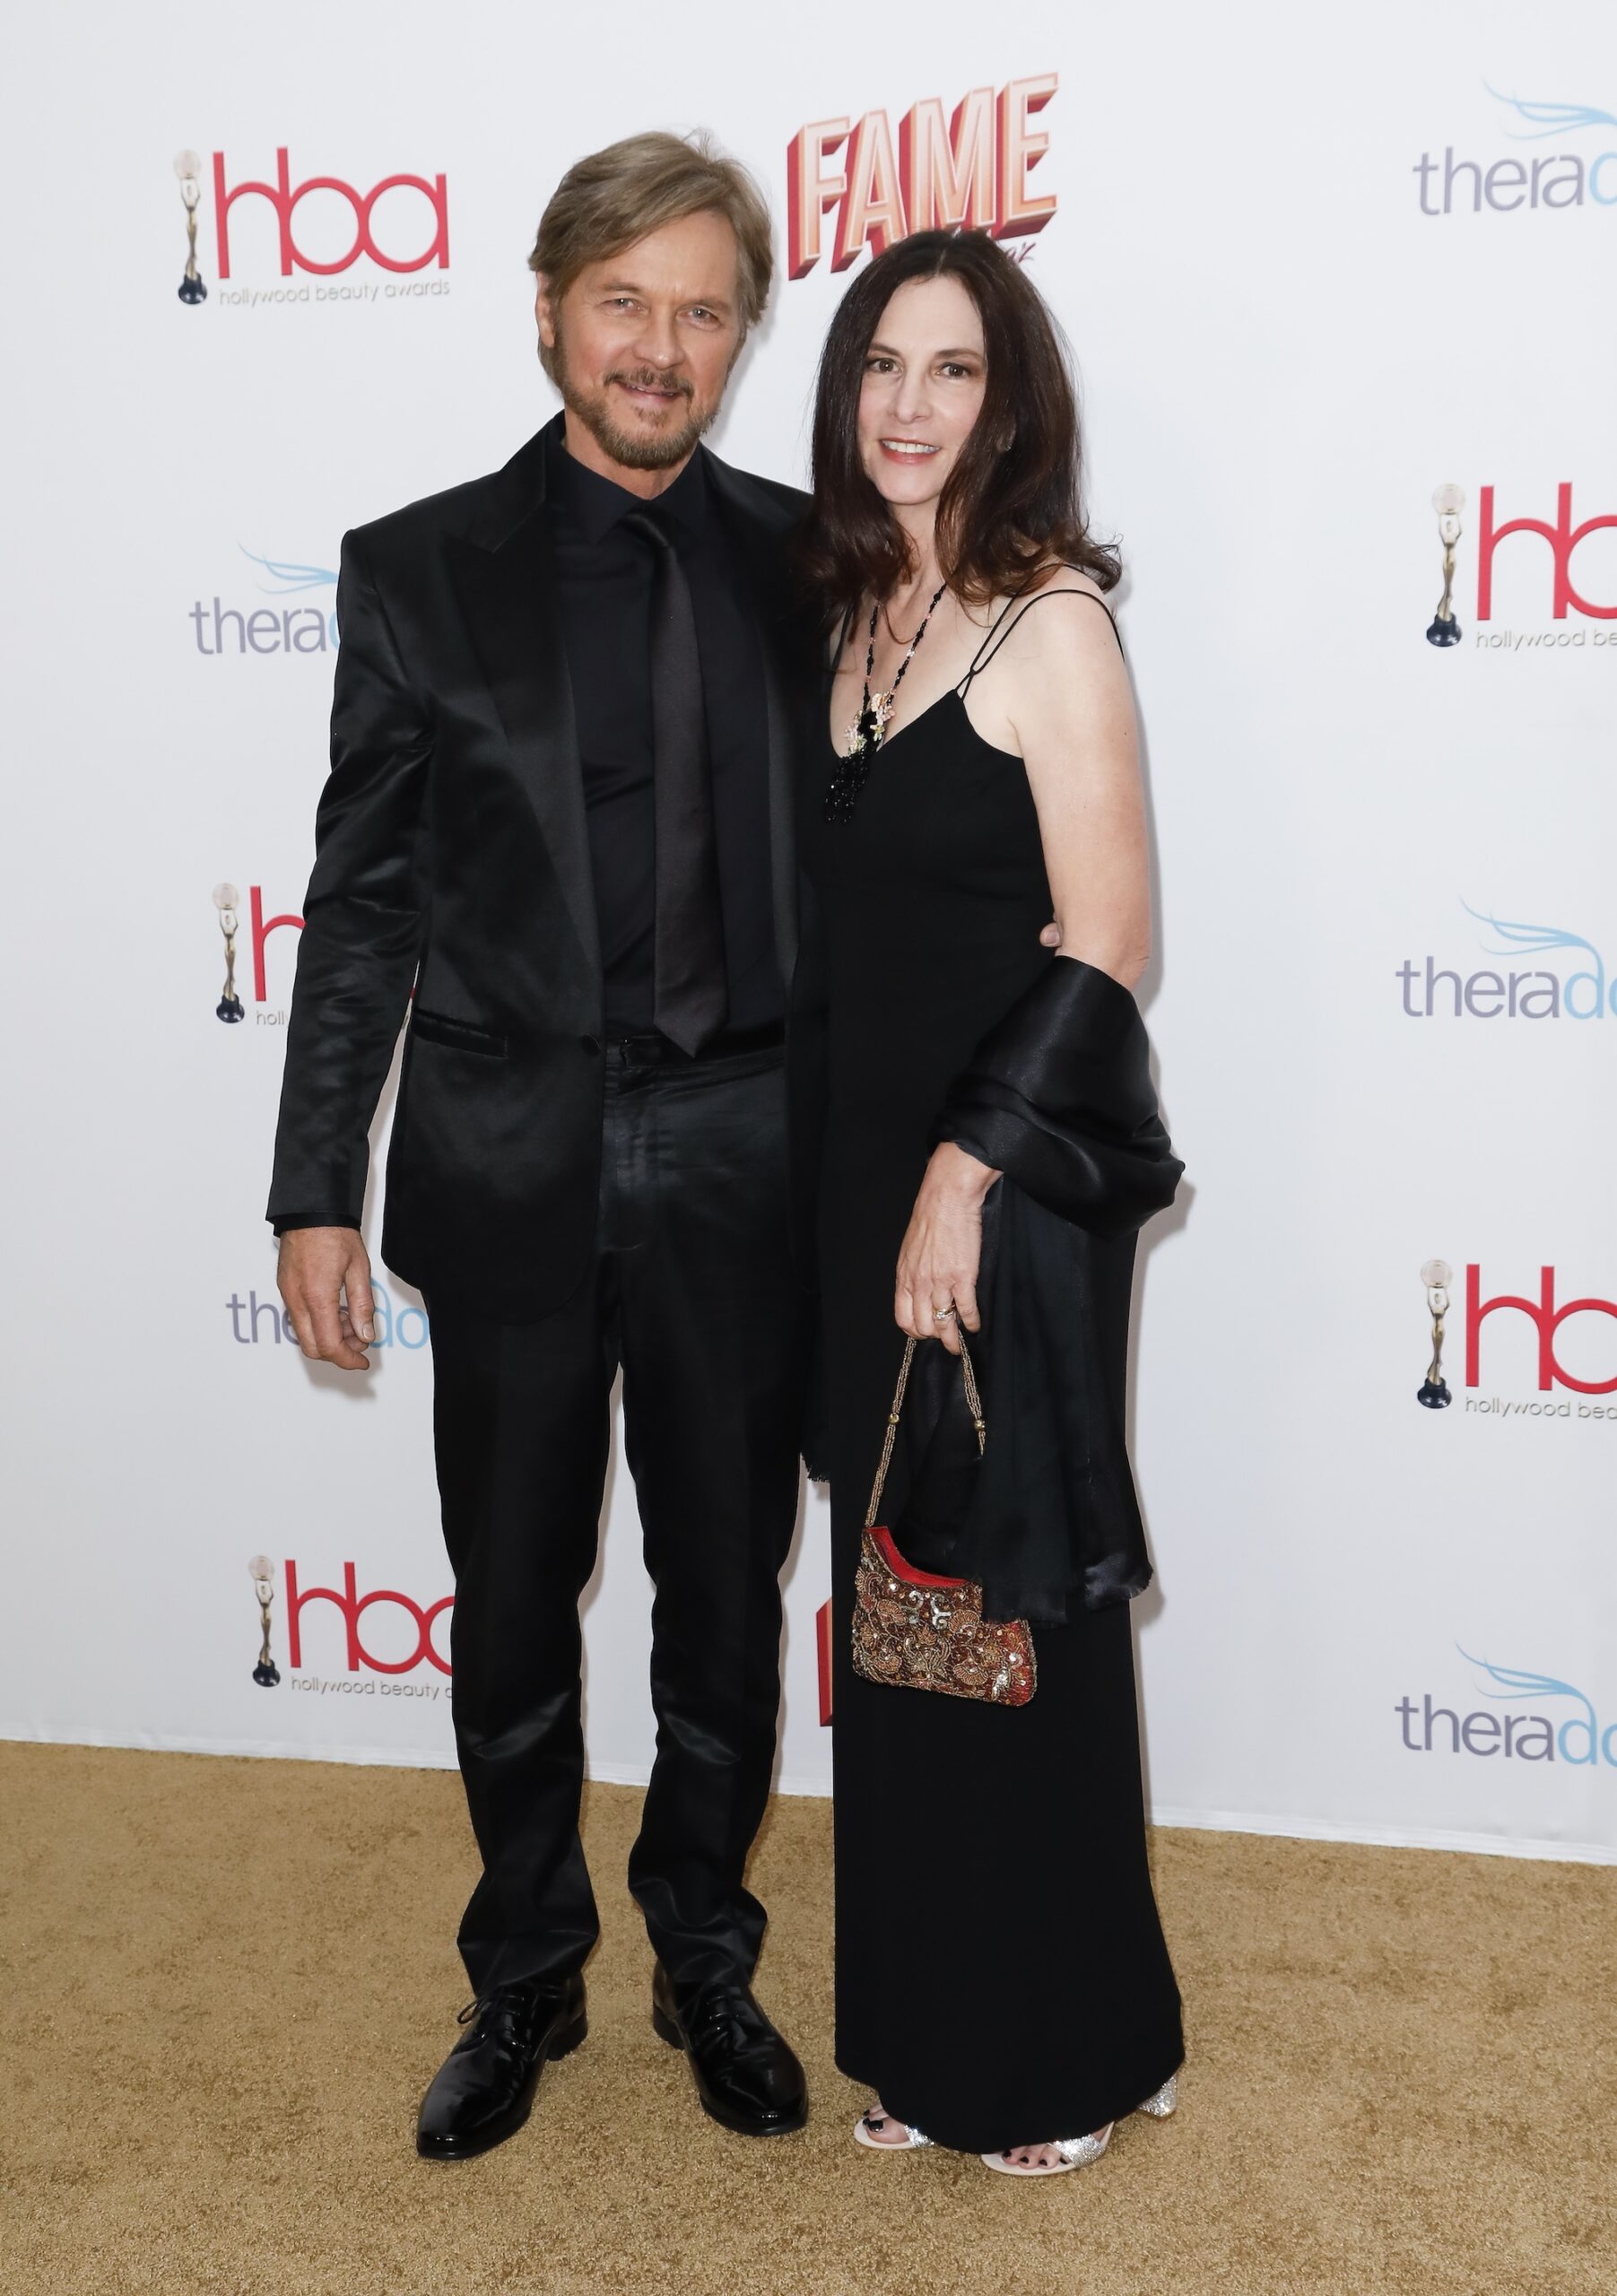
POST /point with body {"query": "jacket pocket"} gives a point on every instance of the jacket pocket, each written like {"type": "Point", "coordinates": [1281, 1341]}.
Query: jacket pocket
{"type": "Point", "coordinates": [458, 1036]}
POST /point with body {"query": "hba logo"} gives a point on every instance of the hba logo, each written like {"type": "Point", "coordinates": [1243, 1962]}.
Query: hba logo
{"type": "Point", "coordinates": [1551, 1735]}
{"type": "Point", "coordinates": [407, 1637]}
{"type": "Point", "coordinates": [969, 171]}
{"type": "Point", "coordinates": [1546, 1319]}
{"type": "Point", "coordinates": [226, 902]}
{"type": "Point", "coordinates": [1525, 568]}
{"type": "Point", "coordinates": [1563, 538]}
{"type": "Point", "coordinates": [405, 226]}
{"type": "Point", "coordinates": [1572, 985]}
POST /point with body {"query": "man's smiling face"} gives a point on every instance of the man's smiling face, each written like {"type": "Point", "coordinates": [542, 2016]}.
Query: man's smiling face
{"type": "Point", "coordinates": [642, 343]}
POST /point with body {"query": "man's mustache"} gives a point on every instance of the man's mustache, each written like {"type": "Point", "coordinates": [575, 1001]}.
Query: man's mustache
{"type": "Point", "coordinates": [650, 378]}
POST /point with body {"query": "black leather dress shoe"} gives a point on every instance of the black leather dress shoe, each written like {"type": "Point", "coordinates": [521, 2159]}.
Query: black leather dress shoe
{"type": "Point", "coordinates": [746, 2075]}
{"type": "Point", "coordinates": [483, 2091]}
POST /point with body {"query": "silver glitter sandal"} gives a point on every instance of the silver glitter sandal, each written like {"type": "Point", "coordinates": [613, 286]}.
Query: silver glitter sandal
{"type": "Point", "coordinates": [1078, 2151]}
{"type": "Point", "coordinates": [871, 2120]}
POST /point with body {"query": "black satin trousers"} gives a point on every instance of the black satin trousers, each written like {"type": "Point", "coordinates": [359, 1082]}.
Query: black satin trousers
{"type": "Point", "coordinates": [690, 1291]}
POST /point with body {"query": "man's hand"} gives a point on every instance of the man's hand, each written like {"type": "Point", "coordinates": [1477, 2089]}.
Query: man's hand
{"type": "Point", "coordinates": [941, 1247]}
{"type": "Point", "coordinates": [324, 1278]}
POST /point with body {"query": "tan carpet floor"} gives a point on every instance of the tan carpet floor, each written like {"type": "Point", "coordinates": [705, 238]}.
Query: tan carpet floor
{"type": "Point", "coordinates": [226, 1982]}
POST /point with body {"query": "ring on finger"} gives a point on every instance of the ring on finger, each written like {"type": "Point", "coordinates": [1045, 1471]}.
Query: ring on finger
{"type": "Point", "coordinates": [944, 1315]}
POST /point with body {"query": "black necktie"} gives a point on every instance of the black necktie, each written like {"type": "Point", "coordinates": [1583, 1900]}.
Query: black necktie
{"type": "Point", "coordinates": [691, 997]}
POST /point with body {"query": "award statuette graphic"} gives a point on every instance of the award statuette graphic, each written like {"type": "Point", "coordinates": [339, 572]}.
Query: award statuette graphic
{"type": "Point", "coordinates": [1447, 501]}
{"type": "Point", "coordinates": [262, 1573]}
{"type": "Point", "coordinates": [230, 1006]}
{"type": "Point", "coordinates": [187, 167]}
{"type": "Point", "coordinates": [1433, 1391]}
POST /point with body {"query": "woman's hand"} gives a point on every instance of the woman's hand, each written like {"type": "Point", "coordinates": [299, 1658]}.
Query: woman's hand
{"type": "Point", "coordinates": [943, 1246]}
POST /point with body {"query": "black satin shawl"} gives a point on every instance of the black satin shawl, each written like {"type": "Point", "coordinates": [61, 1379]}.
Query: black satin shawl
{"type": "Point", "coordinates": [1058, 1097]}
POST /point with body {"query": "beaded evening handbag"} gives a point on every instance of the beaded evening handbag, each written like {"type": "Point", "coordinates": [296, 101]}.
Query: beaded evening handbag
{"type": "Point", "coordinates": [918, 1632]}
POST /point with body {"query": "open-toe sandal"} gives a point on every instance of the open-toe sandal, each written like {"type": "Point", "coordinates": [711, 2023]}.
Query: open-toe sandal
{"type": "Point", "coordinates": [1078, 2151]}
{"type": "Point", "coordinates": [865, 2126]}
{"type": "Point", "coordinates": [1075, 2152]}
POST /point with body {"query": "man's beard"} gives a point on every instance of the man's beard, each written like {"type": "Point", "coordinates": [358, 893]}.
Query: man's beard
{"type": "Point", "coordinates": [634, 449]}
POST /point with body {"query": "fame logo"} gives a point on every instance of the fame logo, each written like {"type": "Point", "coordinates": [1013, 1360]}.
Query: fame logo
{"type": "Point", "coordinates": [399, 226]}
{"type": "Point", "coordinates": [969, 169]}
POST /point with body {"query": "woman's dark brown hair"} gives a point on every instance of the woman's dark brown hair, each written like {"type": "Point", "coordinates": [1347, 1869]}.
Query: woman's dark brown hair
{"type": "Point", "coordinates": [1006, 509]}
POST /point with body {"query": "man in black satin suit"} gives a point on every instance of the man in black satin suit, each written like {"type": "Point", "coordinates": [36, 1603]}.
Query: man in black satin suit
{"type": "Point", "coordinates": [558, 818]}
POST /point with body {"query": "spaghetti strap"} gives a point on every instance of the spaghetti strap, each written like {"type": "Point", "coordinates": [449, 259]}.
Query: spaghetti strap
{"type": "Point", "coordinates": [999, 631]}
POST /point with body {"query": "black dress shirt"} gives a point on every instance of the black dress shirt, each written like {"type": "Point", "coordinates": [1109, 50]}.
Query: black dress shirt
{"type": "Point", "coordinates": [605, 573]}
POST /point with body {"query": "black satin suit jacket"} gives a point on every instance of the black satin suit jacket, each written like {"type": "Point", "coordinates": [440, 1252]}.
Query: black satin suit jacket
{"type": "Point", "coordinates": [452, 859]}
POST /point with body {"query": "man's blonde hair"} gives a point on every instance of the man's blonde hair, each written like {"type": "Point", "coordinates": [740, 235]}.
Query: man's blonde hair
{"type": "Point", "coordinates": [607, 202]}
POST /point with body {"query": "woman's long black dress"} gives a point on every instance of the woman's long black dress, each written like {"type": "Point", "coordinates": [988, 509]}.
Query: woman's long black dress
{"type": "Point", "coordinates": [1001, 1977]}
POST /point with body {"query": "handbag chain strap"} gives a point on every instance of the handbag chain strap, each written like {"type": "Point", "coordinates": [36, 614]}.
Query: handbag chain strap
{"type": "Point", "coordinates": [973, 1404]}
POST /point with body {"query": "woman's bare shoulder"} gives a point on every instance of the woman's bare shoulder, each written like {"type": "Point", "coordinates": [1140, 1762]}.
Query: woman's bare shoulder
{"type": "Point", "coordinates": [1057, 575]}
{"type": "Point", "coordinates": [1053, 614]}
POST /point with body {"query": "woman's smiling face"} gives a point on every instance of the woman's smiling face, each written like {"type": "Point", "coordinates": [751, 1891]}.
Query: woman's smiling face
{"type": "Point", "coordinates": [926, 372]}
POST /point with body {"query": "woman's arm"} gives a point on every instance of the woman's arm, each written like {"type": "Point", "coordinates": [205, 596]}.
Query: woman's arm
{"type": "Point", "coordinates": [1060, 691]}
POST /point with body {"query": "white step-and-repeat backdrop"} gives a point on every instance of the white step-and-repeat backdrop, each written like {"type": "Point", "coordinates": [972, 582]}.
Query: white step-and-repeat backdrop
{"type": "Point", "coordinates": [1332, 281]}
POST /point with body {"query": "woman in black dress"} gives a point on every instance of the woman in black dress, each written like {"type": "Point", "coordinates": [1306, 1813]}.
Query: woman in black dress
{"type": "Point", "coordinates": [1003, 1985]}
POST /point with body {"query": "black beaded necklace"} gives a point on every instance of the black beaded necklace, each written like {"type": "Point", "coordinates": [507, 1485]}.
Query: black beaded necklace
{"type": "Point", "coordinates": [865, 735]}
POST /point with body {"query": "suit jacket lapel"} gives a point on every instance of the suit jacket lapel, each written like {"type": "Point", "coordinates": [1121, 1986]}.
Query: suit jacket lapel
{"type": "Point", "coordinates": [506, 583]}
{"type": "Point", "coordinates": [763, 550]}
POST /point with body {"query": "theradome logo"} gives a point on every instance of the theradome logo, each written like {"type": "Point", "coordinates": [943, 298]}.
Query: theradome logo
{"type": "Point", "coordinates": [1547, 1719]}
{"type": "Point", "coordinates": [1570, 175]}
{"type": "Point", "coordinates": [299, 622]}
{"type": "Point", "coordinates": [1569, 981]}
